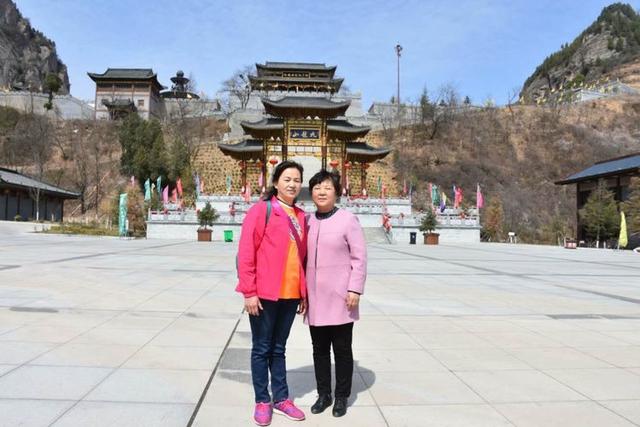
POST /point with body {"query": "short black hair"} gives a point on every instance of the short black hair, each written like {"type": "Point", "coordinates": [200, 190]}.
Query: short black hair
{"type": "Point", "coordinates": [323, 176]}
{"type": "Point", "coordinates": [287, 164]}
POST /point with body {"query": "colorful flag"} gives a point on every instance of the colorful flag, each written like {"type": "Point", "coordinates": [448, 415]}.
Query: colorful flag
{"type": "Point", "coordinates": [229, 183]}
{"type": "Point", "coordinates": [159, 185]}
{"type": "Point", "coordinates": [260, 180]}
{"type": "Point", "coordinates": [435, 194]}
{"type": "Point", "coordinates": [457, 201]}
{"type": "Point", "coordinates": [179, 187]}
{"type": "Point", "coordinates": [122, 215]}
{"type": "Point", "coordinates": [443, 202]}
{"type": "Point", "coordinates": [247, 193]}
{"type": "Point", "coordinates": [479, 198]}
{"type": "Point", "coordinates": [622, 239]}
{"type": "Point", "coordinates": [201, 185]}
{"type": "Point", "coordinates": [133, 180]}
{"type": "Point", "coordinates": [174, 196]}
{"type": "Point", "coordinates": [165, 194]}
{"type": "Point", "coordinates": [404, 187]}
{"type": "Point", "coordinates": [196, 180]}
{"type": "Point", "coordinates": [147, 190]}
{"type": "Point", "coordinates": [346, 179]}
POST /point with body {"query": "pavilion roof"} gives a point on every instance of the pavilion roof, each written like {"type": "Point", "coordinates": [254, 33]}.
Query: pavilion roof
{"type": "Point", "coordinates": [304, 106]}
{"type": "Point", "coordinates": [244, 150]}
{"type": "Point", "coordinates": [14, 179]}
{"type": "Point", "coordinates": [343, 129]}
{"type": "Point", "coordinates": [611, 167]}
{"type": "Point", "coordinates": [363, 152]}
{"type": "Point", "coordinates": [127, 74]}
{"type": "Point", "coordinates": [295, 66]}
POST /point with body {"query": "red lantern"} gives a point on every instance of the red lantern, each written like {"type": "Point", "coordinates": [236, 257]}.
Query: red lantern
{"type": "Point", "coordinates": [273, 161]}
{"type": "Point", "coordinates": [334, 163]}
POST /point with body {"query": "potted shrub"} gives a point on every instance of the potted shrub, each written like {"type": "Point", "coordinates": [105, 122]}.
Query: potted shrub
{"type": "Point", "coordinates": [206, 218]}
{"type": "Point", "coordinates": [428, 226]}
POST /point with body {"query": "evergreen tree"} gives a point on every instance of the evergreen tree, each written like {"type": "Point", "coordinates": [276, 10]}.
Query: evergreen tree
{"type": "Point", "coordinates": [52, 85]}
{"type": "Point", "coordinates": [493, 224]}
{"type": "Point", "coordinates": [600, 214]}
{"type": "Point", "coordinates": [144, 153]}
{"type": "Point", "coordinates": [631, 207]}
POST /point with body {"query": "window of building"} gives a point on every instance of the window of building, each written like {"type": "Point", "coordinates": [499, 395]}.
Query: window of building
{"type": "Point", "coordinates": [140, 102]}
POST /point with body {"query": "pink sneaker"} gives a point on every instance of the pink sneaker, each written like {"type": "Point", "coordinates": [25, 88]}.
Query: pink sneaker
{"type": "Point", "coordinates": [263, 413]}
{"type": "Point", "coordinates": [289, 410]}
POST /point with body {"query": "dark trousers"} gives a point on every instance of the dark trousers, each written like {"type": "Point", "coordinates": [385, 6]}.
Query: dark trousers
{"type": "Point", "coordinates": [339, 337]}
{"type": "Point", "coordinates": [269, 333]}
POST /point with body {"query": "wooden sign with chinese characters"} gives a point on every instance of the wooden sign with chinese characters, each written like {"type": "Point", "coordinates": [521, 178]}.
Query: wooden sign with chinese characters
{"type": "Point", "coordinates": [304, 134]}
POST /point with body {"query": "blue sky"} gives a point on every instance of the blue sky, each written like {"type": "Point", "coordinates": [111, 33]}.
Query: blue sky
{"type": "Point", "coordinates": [485, 48]}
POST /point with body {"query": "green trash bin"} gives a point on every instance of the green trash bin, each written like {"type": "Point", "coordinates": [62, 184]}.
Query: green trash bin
{"type": "Point", "coordinates": [228, 235]}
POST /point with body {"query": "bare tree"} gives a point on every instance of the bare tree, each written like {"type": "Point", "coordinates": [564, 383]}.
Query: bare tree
{"type": "Point", "coordinates": [237, 89]}
{"type": "Point", "coordinates": [30, 145]}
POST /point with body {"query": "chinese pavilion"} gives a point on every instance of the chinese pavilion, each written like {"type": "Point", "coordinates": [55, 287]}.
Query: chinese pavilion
{"type": "Point", "coordinates": [302, 123]}
{"type": "Point", "coordinates": [121, 91]}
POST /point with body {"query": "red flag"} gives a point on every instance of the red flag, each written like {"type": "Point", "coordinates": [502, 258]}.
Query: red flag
{"type": "Point", "coordinates": [458, 198]}
{"type": "Point", "coordinates": [174, 196]}
{"type": "Point", "coordinates": [479, 198]}
{"type": "Point", "coordinates": [179, 187]}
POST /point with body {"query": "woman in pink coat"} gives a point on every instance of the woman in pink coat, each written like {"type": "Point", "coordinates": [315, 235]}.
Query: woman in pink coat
{"type": "Point", "coordinates": [271, 278]}
{"type": "Point", "coordinates": [336, 272]}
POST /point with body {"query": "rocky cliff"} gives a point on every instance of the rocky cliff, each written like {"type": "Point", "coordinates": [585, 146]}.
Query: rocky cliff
{"type": "Point", "coordinates": [608, 49]}
{"type": "Point", "coordinates": [26, 55]}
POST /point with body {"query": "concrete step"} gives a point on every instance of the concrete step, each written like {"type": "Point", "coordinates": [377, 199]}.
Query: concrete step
{"type": "Point", "coordinates": [376, 235]}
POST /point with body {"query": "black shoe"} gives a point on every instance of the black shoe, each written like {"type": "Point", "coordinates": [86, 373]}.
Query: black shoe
{"type": "Point", "coordinates": [323, 402]}
{"type": "Point", "coordinates": [340, 407]}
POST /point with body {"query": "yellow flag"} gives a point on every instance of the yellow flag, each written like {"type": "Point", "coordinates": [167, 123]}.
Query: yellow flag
{"type": "Point", "coordinates": [622, 239]}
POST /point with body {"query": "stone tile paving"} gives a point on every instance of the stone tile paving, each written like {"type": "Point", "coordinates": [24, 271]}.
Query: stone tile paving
{"type": "Point", "coordinates": [102, 331]}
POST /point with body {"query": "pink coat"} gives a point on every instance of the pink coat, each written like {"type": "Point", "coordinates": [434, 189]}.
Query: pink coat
{"type": "Point", "coordinates": [336, 264]}
{"type": "Point", "coordinates": [262, 252]}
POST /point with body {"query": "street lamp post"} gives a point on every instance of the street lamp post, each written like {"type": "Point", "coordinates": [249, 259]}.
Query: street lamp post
{"type": "Point", "coordinates": [398, 53]}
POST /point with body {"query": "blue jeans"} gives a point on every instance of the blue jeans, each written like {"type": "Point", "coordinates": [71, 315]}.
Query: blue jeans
{"type": "Point", "coordinates": [269, 333]}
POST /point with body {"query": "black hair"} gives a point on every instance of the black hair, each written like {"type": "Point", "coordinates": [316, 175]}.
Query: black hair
{"type": "Point", "coordinates": [323, 176]}
{"type": "Point", "coordinates": [287, 164]}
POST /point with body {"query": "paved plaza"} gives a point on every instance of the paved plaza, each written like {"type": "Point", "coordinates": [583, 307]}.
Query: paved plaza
{"type": "Point", "coordinates": [108, 332]}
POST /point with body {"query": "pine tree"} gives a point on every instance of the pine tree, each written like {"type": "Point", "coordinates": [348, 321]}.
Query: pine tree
{"type": "Point", "coordinates": [600, 214]}
{"type": "Point", "coordinates": [631, 207]}
{"type": "Point", "coordinates": [493, 219]}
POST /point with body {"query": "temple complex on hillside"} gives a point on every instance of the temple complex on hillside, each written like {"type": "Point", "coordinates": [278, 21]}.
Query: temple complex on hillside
{"type": "Point", "coordinates": [120, 91]}
{"type": "Point", "coordinates": [304, 125]}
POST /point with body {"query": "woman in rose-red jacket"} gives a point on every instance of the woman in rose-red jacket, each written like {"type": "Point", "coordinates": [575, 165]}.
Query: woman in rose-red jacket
{"type": "Point", "coordinates": [271, 278]}
{"type": "Point", "coordinates": [336, 273]}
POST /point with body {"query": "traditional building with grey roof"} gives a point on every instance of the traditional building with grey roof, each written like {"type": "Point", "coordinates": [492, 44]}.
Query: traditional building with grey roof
{"type": "Point", "coordinates": [18, 194]}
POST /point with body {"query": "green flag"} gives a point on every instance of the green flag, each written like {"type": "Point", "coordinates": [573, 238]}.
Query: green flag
{"type": "Point", "coordinates": [147, 190]}
{"type": "Point", "coordinates": [622, 239]}
{"type": "Point", "coordinates": [159, 185]}
{"type": "Point", "coordinates": [122, 217]}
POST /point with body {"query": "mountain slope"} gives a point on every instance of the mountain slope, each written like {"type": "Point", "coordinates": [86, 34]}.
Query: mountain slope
{"type": "Point", "coordinates": [26, 55]}
{"type": "Point", "coordinates": [596, 55]}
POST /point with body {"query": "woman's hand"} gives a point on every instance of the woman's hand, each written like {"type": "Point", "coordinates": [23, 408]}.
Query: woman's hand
{"type": "Point", "coordinates": [302, 307]}
{"type": "Point", "coordinates": [252, 305]}
{"type": "Point", "coordinates": [353, 299]}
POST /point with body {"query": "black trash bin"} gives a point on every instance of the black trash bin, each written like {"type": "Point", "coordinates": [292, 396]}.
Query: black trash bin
{"type": "Point", "coordinates": [412, 237]}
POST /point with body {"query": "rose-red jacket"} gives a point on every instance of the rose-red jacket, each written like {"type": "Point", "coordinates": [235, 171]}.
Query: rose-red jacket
{"type": "Point", "coordinates": [262, 251]}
